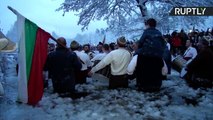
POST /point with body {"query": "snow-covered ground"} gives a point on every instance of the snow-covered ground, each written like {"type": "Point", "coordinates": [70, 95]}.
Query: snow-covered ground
{"type": "Point", "coordinates": [176, 101]}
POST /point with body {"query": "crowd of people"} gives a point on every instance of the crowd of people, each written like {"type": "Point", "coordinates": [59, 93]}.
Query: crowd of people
{"type": "Point", "coordinates": [149, 60]}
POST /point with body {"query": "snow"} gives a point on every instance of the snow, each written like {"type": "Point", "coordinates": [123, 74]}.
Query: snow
{"type": "Point", "coordinates": [175, 101]}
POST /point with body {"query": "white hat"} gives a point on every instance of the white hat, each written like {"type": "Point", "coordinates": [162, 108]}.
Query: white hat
{"type": "Point", "coordinates": [7, 45]}
{"type": "Point", "coordinates": [121, 41]}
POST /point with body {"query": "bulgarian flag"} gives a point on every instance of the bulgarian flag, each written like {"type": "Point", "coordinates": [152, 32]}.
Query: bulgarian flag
{"type": "Point", "coordinates": [33, 45]}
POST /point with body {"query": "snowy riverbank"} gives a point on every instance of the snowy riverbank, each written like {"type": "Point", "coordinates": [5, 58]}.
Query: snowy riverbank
{"type": "Point", "coordinates": [176, 101]}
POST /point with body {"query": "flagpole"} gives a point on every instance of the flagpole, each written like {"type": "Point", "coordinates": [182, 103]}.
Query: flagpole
{"type": "Point", "coordinates": [54, 39]}
{"type": "Point", "coordinates": [17, 13]}
{"type": "Point", "coordinates": [13, 10]}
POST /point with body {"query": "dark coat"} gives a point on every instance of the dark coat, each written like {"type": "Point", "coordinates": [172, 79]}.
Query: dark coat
{"type": "Point", "coordinates": [151, 43]}
{"type": "Point", "coordinates": [147, 34]}
{"type": "Point", "coordinates": [184, 38]}
{"type": "Point", "coordinates": [62, 65]}
{"type": "Point", "coordinates": [148, 73]}
{"type": "Point", "coordinates": [201, 67]}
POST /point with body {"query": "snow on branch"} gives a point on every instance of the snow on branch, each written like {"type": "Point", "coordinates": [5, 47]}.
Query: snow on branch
{"type": "Point", "coordinates": [125, 15]}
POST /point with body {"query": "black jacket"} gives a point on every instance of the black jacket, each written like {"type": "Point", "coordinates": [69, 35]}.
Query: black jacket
{"type": "Point", "coordinates": [62, 65]}
{"type": "Point", "coordinates": [148, 73]}
{"type": "Point", "coordinates": [151, 43]}
{"type": "Point", "coordinates": [202, 65]}
{"type": "Point", "coordinates": [149, 32]}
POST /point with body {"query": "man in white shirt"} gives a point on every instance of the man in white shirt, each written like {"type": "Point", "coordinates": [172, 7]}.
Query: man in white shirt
{"type": "Point", "coordinates": [85, 60]}
{"type": "Point", "coordinates": [100, 56]}
{"type": "Point", "coordinates": [118, 60]}
{"type": "Point", "coordinates": [106, 70]}
{"type": "Point", "coordinates": [190, 52]}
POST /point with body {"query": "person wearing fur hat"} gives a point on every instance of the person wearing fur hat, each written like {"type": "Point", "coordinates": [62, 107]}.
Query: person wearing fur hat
{"type": "Point", "coordinates": [118, 60]}
{"type": "Point", "coordinates": [81, 75]}
{"type": "Point", "coordinates": [62, 65]}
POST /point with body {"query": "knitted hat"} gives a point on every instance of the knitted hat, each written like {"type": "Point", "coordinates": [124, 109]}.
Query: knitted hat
{"type": "Point", "coordinates": [121, 41]}
{"type": "Point", "coordinates": [74, 45]}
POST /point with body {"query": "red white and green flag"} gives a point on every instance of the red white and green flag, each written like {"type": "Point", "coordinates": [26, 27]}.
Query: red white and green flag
{"type": "Point", "coordinates": [33, 45]}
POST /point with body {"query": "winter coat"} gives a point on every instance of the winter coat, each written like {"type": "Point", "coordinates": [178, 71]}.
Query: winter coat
{"type": "Point", "coordinates": [184, 38]}
{"type": "Point", "coordinates": [62, 64]}
{"type": "Point", "coordinates": [149, 73]}
{"type": "Point", "coordinates": [201, 67]}
{"type": "Point", "coordinates": [151, 43]}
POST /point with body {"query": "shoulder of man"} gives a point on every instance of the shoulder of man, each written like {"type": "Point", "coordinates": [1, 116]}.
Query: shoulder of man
{"type": "Point", "coordinates": [152, 32]}
{"type": "Point", "coordinates": [51, 54]}
{"type": "Point", "coordinates": [71, 54]}
{"type": "Point", "coordinates": [83, 53]}
{"type": "Point", "coordinates": [193, 48]}
{"type": "Point", "coordinates": [158, 32]}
